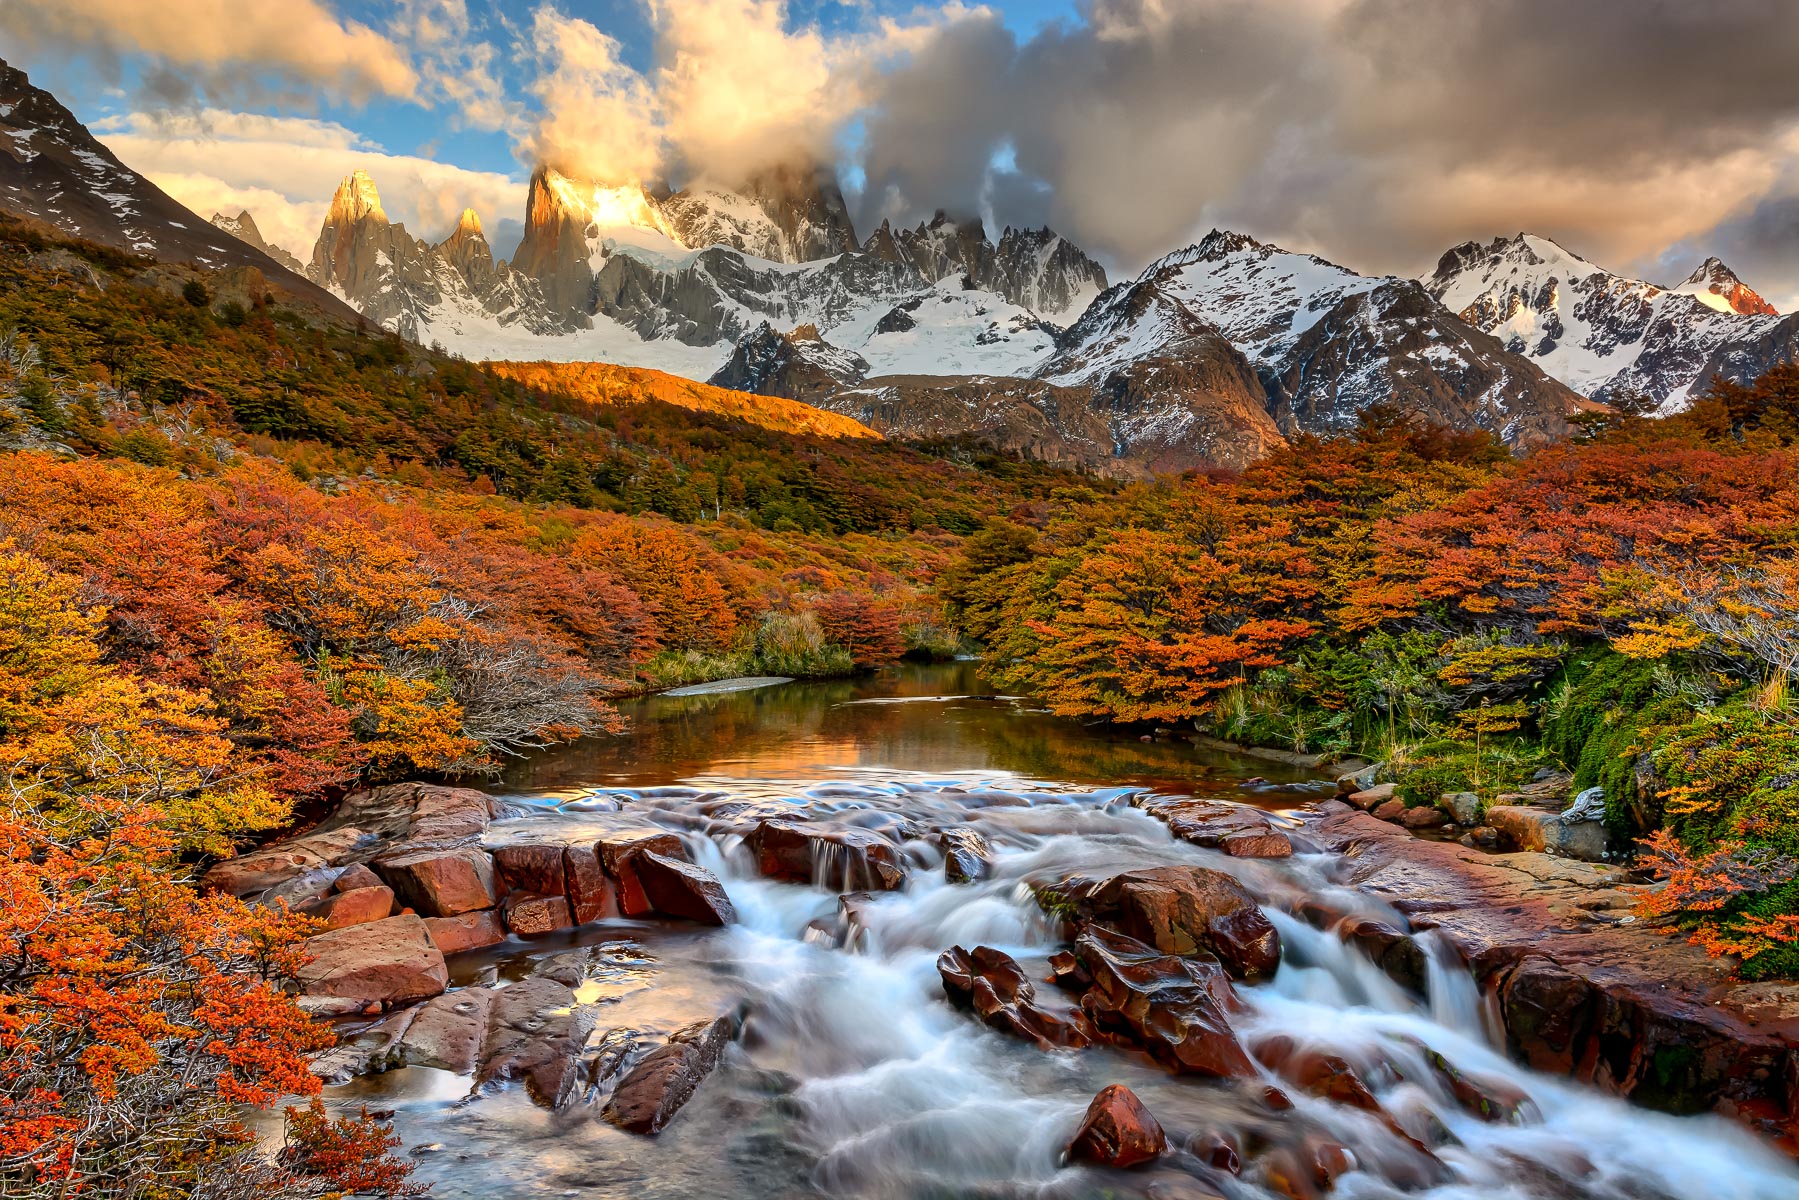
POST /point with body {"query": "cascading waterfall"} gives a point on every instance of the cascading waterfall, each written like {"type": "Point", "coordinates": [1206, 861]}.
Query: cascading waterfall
{"type": "Point", "coordinates": [855, 1077]}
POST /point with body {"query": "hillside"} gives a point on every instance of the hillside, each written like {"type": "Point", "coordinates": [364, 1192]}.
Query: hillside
{"type": "Point", "coordinates": [610, 385]}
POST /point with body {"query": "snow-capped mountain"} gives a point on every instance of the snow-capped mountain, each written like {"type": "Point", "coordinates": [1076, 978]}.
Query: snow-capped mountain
{"type": "Point", "coordinates": [53, 171]}
{"type": "Point", "coordinates": [430, 293]}
{"type": "Point", "coordinates": [1604, 334]}
{"type": "Point", "coordinates": [1324, 343]}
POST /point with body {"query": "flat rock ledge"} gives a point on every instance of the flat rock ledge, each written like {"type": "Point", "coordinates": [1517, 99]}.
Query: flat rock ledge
{"type": "Point", "coordinates": [1581, 988]}
{"type": "Point", "coordinates": [407, 874]}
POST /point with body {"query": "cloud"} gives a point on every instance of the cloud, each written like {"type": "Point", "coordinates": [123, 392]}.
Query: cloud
{"type": "Point", "coordinates": [456, 63]}
{"type": "Point", "coordinates": [598, 118]}
{"type": "Point", "coordinates": [285, 169]}
{"type": "Point", "coordinates": [1373, 131]}
{"type": "Point", "coordinates": [218, 47]}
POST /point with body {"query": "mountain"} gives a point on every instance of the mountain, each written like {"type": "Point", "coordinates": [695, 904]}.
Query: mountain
{"type": "Point", "coordinates": [429, 293]}
{"type": "Point", "coordinates": [1324, 343]}
{"type": "Point", "coordinates": [1604, 334]}
{"type": "Point", "coordinates": [243, 228]}
{"type": "Point", "coordinates": [53, 171]}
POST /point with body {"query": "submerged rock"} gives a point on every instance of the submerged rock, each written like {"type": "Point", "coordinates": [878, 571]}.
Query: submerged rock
{"type": "Point", "coordinates": [1172, 1006]}
{"type": "Point", "coordinates": [1118, 1131]}
{"type": "Point", "coordinates": [847, 860]}
{"type": "Point", "coordinates": [993, 984]}
{"type": "Point", "coordinates": [655, 1090]}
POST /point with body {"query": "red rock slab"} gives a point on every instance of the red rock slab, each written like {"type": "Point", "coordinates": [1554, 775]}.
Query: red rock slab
{"type": "Point", "coordinates": [532, 868]}
{"type": "Point", "coordinates": [465, 931]}
{"type": "Point", "coordinates": [1626, 1008]}
{"type": "Point", "coordinates": [529, 914]}
{"type": "Point", "coordinates": [356, 875]}
{"type": "Point", "coordinates": [393, 961]}
{"type": "Point", "coordinates": [1184, 910]}
{"type": "Point", "coordinates": [680, 889]}
{"type": "Point", "coordinates": [591, 895]}
{"type": "Point", "coordinates": [1118, 1131]}
{"type": "Point", "coordinates": [441, 883]}
{"type": "Point", "coordinates": [356, 907]}
{"type": "Point", "coordinates": [648, 1098]}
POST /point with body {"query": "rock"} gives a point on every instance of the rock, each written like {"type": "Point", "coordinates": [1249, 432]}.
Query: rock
{"type": "Point", "coordinates": [1491, 1100]}
{"type": "Point", "coordinates": [445, 816]}
{"type": "Point", "coordinates": [248, 874]}
{"type": "Point", "coordinates": [1220, 1151]}
{"type": "Point", "coordinates": [1270, 844]}
{"type": "Point", "coordinates": [354, 907]}
{"type": "Point", "coordinates": [1390, 810]}
{"type": "Point", "coordinates": [1184, 910]}
{"type": "Point", "coordinates": [1539, 829]}
{"type": "Point", "coordinates": [465, 931]}
{"type": "Point", "coordinates": [536, 1033]}
{"type": "Point", "coordinates": [304, 890]}
{"type": "Point", "coordinates": [656, 1088]}
{"type": "Point", "coordinates": [680, 889]}
{"type": "Point", "coordinates": [1483, 837]}
{"type": "Point", "coordinates": [364, 1052]}
{"type": "Point", "coordinates": [1547, 1009]}
{"type": "Point", "coordinates": [966, 855]}
{"type": "Point", "coordinates": [1066, 971]}
{"type": "Point", "coordinates": [529, 914]}
{"type": "Point", "coordinates": [1463, 807]}
{"type": "Point", "coordinates": [441, 883]}
{"type": "Point", "coordinates": [391, 960]}
{"type": "Point", "coordinates": [1424, 818]}
{"type": "Point", "coordinates": [448, 1031]}
{"type": "Point", "coordinates": [846, 860]}
{"type": "Point", "coordinates": [995, 987]}
{"type": "Point", "coordinates": [1357, 781]}
{"type": "Point", "coordinates": [1397, 954]}
{"type": "Point", "coordinates": [591, 895]}
{"type": "Point", "coordinates": [532, 868]}
{"type": "Point", "coordinates": [1118, 1131]}
{"type": "Point", "coordinates": [355, 876]}
{"type": "Point", "coordinates": [1173, 1007]}
{"type": "Point", "coordinates": [620, 844]}
{"type": "Point", "coordinates": [1373, 796]}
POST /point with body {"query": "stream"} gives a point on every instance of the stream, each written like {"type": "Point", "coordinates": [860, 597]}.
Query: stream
{"type": "Point", "coordinates": [855, 1077]}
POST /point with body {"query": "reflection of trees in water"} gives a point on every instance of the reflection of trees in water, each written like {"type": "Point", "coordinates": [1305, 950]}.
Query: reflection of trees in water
{"type": "Point", "coordinates": [792, 727]}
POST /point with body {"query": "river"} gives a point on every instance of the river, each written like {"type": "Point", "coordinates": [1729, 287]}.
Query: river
{"type": "Point", "coordinates": [854, 1076]}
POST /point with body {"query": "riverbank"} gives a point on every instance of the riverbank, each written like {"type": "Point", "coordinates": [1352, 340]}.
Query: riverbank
{"type": "Point", "coordinates": [1581, 987]}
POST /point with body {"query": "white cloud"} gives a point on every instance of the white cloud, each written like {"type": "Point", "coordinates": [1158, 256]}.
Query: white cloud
{"type": "Point", "coordinates": [220, 47]}
{"type": "Point", "coordinates": [284, 170]}
{"type": "Point", "coordinates": [598, 118]}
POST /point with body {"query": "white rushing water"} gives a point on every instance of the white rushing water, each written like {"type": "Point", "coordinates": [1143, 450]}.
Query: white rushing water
{"type": "Point", "coordinates": [856, 1078]}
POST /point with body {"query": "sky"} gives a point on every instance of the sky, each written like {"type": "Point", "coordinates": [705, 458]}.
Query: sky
{"type": "Point", "coordinates": [1641, 134]}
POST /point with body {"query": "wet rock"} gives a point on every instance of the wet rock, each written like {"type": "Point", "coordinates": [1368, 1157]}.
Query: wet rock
{"type": "Point", "coordinates": [1547, 1010]}
{"type": "Point", "coordinates": [1390, 810]}
{"type": "Point", "coordinates": [356, 907]}
{"type": "Point", "coordinates": [1220, 1150]}
{"type": "Point", "coordinates": [445, 816]}
{"type": "Point", "coordinates": [619, 844]}
{"type": "Point", "coordinates": [1359, 780]}
{"type": "Point", "coordinates": [1066, 972]}
{"type": "Point", "coordinates": [1424, 818]}
{"type": "Point", "coordinates": [365, 1051]}
{"type": "Point", "coordinates": [536, 1033]}
{"type": "Point", "coordinates": [656, 1088]}
{"type": "Point", "coordinates": [967, 857]}
{"type": "Point", "coordinates": [591, 895]}
{"type": "Point", "coordinates": [448, 1031]}
{"type": "Point", "coordinates": [441, 883]}
{"type": "Point", "coordinates": [1173, 1007]}
{"type": "Point", "coordinates": [680, 889]}
{"type": "Point", "coordinates": [528, 914]}
{"type": "Point", "coordinates": [1481, 837]}
{"type": "Point", "coordinates": [1394, 952]}
{"type": "Point", "coordinates": [1462, 807]}
{"type": "Point", "coordinates": [391, 960]}
{"type": "Point", "coordinates": [996, 988]}
{"type": "Point", "coordinates": [1268, 844]}
{"type": "Point", "coordinates": [1372, 796]}
{"type": "Point", "coordinates": [465, 931]}
{"type": "Point", "coordinates": [847, 860]}
{"type": "Point", "coordinates": [1492, 1100]}
{"type": "Point", "coordinates": [532, 868]}
{"type": "Point", "coordinates": [1118, 1131]}
{"type": "Point", "coordinates": [1186, 910]}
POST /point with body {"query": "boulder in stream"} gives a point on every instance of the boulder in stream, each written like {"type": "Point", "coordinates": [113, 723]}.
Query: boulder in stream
{"type": "Point", "coordinates": [993, 984]}
{"type": "Point", "coordinates": [1172, 1006]}
{"type": "Point", "coordinates": [847, 860]}
{"type": "Point", "coordinates": [1190, 910]}
{"type": "Point", "coordinates": [681, 889]}
{"type": "Point", "coordinates": [967, 858]}
{"type": "Point", "coordinates": [652, 1093]}
{"type": "Point", "coordinates": [1118, 1131]}
{"type": "Point", "coordinates": [391, 960]}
